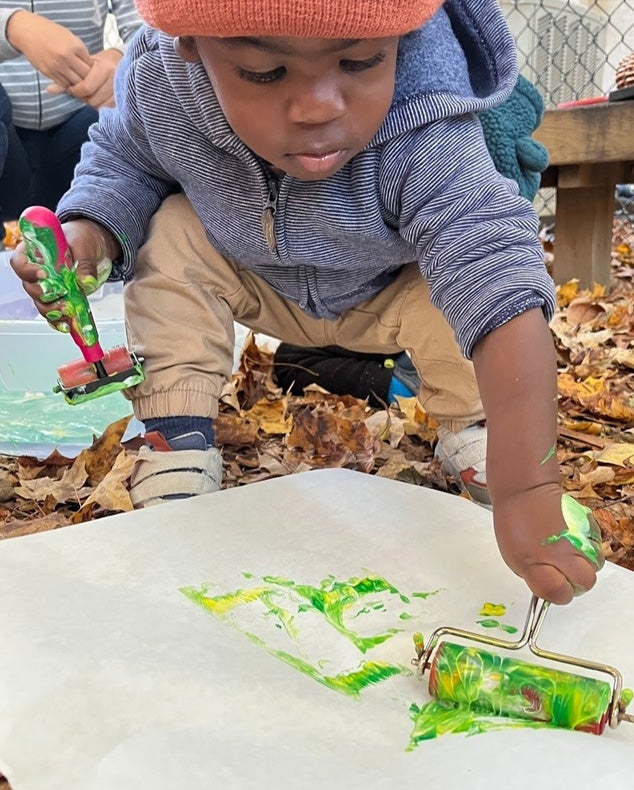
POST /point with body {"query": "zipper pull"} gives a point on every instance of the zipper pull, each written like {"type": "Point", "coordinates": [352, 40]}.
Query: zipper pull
{"type": "Point", "coordinates": [268, 215]}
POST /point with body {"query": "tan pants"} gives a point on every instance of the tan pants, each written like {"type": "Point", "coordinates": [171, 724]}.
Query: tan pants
{"type": "Point", "coordinates": [181, 305]}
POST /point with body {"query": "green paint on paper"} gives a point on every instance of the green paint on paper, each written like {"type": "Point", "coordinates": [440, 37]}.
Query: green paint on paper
{"type": "Point", "coordinates": [492, 609]}
{"type": "Point", "coordinates": [370, 673]}
{"type": "Point", "coordinates": [424, 595]}
{"type": "Point", "coordinates": [439, 717]}
{"type": "Point", "coordinates": [549, 454]}
{"type": "Point", "coordinates": [493, 623]}
{"type": "Point", "coordinates": [221, 605]}
{"type": "Point", "coordinates": [334, 600]}
{"type": "Point", "coordinates": [474, 691]}
{"type": "Point", "coordinates": [351, 683]}
{"type": "Point", "coordinates": [582, 531]}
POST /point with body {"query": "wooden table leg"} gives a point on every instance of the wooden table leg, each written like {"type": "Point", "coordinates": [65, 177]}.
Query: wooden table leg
{"type": "Point", "coordinates": [583, 234]}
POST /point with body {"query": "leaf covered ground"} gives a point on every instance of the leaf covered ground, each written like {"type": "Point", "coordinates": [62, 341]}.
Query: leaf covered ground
{"type": "Point", "coordinates": [266, 433]}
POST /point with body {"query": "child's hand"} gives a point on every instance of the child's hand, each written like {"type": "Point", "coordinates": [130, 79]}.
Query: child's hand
{"type": "Point", "coordinates": [557, 557]}
{"type": "Point", "coordinates": [92, 249]}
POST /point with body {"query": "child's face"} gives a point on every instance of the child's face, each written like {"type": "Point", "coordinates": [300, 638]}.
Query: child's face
{"type": "Point", "coordinates": [305, 106]}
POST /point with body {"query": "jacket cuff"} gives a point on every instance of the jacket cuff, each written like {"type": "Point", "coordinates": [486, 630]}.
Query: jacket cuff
{"type": "Point", "coordinates": [7, 52]}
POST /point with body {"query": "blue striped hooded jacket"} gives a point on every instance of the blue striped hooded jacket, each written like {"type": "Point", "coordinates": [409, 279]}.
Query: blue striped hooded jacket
{"type": "Point", "coordinates": [423, 189]}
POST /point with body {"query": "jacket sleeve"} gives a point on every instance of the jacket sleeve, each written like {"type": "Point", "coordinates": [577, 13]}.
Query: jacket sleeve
{"type": "Point", "coordinates": [118, 181]}
{"type": "Point", "coordinates": [475, 238]}
{"type": "Point", "coordinates": [7, 52]}
{"type": "Point", "coordinates": [128, 19]}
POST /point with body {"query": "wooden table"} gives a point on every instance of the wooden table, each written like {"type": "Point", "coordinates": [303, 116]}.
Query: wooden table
{"type": "Point", "coordinates": [591, 149]}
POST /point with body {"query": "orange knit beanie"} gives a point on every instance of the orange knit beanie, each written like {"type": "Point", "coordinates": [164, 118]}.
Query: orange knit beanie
{"type": "Point", "coordinates": [301, 18]}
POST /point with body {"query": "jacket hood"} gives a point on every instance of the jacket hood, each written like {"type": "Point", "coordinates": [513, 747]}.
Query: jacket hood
{"type": "Point", "coordinates": [463, 60]}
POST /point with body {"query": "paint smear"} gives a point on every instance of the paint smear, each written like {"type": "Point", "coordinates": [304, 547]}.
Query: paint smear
{"type": "Point", "coordinates": [285, 603]}
{"type": "Point", "coordinates": [491, 622]}
{"type": "Point", "coordinates": [549, 455]}
{"type": "Point", "coordinates": [492, 609]}
{"type": "Point", "coordinates": [336, 599]}
{"type": "Point", "coordinates": [440, 717]}
{"type": "Point", "coordinates": [582, 531]}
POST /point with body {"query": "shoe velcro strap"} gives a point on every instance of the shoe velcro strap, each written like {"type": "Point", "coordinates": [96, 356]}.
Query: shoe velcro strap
{"type": "Point", "coordinates": [159, 477]}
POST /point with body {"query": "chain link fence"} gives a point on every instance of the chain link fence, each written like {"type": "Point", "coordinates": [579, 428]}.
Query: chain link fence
{"type": "Point", "coordinates": [571, 50]}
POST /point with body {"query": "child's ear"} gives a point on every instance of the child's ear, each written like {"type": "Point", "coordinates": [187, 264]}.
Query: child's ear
{"type": "Point", "coordinates": [186, 48]}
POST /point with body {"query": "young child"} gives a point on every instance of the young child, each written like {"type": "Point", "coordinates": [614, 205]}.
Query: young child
{"type": "Point", "coordinates": [297, 165]}
{"type": "Point", "coordinates": [380, 378]}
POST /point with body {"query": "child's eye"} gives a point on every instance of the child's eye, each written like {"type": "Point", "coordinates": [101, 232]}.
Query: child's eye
{"type": "Point", "coordinates": [262, 77]}
{"type": "Point", "coordinates": [362, 65]}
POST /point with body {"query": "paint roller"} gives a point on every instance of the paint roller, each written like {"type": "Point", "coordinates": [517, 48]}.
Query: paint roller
{"type": "Point", "coordinates": [99, 372]}
{"type": "Point", "coordinates": [470, 677]}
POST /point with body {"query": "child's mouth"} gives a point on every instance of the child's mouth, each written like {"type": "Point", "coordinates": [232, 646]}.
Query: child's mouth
{"type": "Point", "coordinates": [319, 163]}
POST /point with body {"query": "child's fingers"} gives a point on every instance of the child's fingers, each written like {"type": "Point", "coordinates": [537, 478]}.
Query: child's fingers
{"type": "Point", "coordinates": [547, 582]}
{"type": "Point", "coordinates": [561, 581]}
{"type": "Point", "coordinates": [28, 272]}
{"type": "Point", "coordinates": [93, 274]}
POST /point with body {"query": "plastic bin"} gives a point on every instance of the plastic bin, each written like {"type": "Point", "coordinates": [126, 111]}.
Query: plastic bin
{"type": "Point", "coordinates": [33, 419]}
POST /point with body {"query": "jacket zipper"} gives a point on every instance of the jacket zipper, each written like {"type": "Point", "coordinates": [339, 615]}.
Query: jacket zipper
{"type": "Point", "coordinates": [268, 215]}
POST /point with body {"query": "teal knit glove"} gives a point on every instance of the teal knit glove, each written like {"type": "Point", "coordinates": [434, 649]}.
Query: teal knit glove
{"type": "Point", "coordinates": [507, 131]}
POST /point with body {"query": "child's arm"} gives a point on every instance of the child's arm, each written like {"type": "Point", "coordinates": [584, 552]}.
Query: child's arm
{"type": "Point", "coordinates": [516, 372]}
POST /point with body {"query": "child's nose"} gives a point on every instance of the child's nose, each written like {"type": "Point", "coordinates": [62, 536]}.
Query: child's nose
{"type": "Point", "coordinates": [316, 103]}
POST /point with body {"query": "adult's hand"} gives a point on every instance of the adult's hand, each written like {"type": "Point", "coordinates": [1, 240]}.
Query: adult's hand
{"type": "Point", "coordinates": [50, 48]}
{"type": "Point", "coordinates": [97, 87]}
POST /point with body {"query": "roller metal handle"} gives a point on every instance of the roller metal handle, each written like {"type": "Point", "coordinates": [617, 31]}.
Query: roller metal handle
{"type": "Point", "coordinates": [46, 247]}
{"type": "Point", "coordinates": [534, 620]}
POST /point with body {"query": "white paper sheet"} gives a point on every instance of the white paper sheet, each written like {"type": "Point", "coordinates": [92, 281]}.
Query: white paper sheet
{"type": "Point", "coordinates": [111, 678]}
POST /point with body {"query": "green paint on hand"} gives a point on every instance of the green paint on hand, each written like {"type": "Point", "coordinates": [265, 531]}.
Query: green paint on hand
{"type": "Point", "coordinates": [549, 454]}
{"type": "Point", "coordinates": [61, 283]}
{"type": "Point", "coordinates": [582, 531]}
